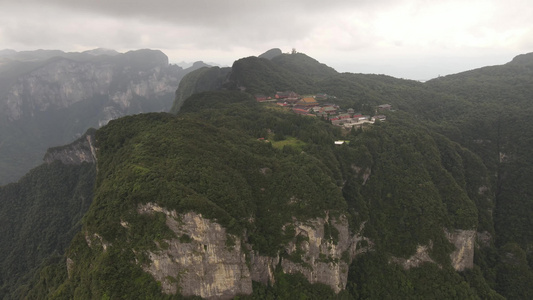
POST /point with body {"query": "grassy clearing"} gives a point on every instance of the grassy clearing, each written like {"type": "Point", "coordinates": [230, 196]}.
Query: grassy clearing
{"type": "Point", "coordinates": [275, 107]}
{"type": "Point", "coordinates": [290, 141]}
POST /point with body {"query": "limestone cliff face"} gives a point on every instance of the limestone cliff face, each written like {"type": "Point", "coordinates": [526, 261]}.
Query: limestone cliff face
{"type": "Point", "coordinates": [207, 261]}
{"type": "Point", "coordinates": [461, 258]}
{"type": "Point", "coordinates": [53, 101]}
{"type": "Point", "coordinates": [464, 241]}
{"type": "Point", "coordinates": [201, 262]}
{"type": "Point", "coordinates": [82, 150]}
{"type": "Point", "coordinates": [421, 256]}
{"type": "Point", "coordinates": [58, 84]}
{"type": "Point", "coordinates": [62, 83]}
{"type": "Point", "coordinates": [323, 260]}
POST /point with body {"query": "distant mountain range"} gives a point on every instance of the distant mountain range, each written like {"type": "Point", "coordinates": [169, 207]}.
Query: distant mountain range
{"type": "Point", "coordinates": [50, 97]}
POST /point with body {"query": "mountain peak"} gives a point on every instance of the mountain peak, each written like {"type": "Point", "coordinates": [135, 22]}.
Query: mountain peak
{"type": "Point", "coordinates": [523, 59]}
{"type": "Point", "coordinates": [270, 54]}
{"type": "Point", "coordinates": [7, 52]}
{"type": "Point", "coordinates": [101, 51]}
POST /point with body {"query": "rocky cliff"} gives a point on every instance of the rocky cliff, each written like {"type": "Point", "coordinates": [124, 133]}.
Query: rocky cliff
{"type": "Point", "coordinates": [200, 261]}
{"type": "Point", "coordinates": [204, 260]}
{"type": "Point", "coordinates": [319, 256]}
{"type": "Point", "coordinates": [62, 82]}
{"type": "Point", "coordinates": [463, 256]}
{"type": "Point", "coordinates": [81, 150]}
{"type": "Point", "coordinates": [51, 99]}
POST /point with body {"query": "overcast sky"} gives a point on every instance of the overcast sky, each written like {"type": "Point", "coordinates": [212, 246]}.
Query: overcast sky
{"type": "Point", "coordinates": [414, 39]}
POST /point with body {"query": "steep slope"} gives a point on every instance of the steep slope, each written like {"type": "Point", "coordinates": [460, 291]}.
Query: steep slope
{"type": "Point", "coordinates": [201, 80]}
{"type": "Point", "coordinates": [495, 122]}
{"type": "Point", "coordinates": [302, 64]}
{"type": "Point", "coordinates": [50, 100]}
{"type": "Point", "coordinates": [41, 213]}
{"type": "Point", "coordinates": [257, 75]}
{"type": "Point", "coordinates": [270, 72]}
{"type": "Point", "coordinates": [270, 54]}
{"type": "Point", "coordinates": [200, 204]}
{"type": "Point", "coordinates": [207, 210]}
{"type": "Point", "coordinates": [498, 128]}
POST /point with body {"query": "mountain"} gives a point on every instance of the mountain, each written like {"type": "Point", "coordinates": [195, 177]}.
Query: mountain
{"type": "Point", "coordinates": [50, 98]}
{"type": "Point", "coordinates": [201, 80]}
{"type": "Point", "coordinates": [102, 51]}
{"type": "Point", "coordinates": [231, 197]}
{"type": "Point", "coordinates": [270, 54]}
{"type": "Point", "coordinates": [256, 211]}
{"type": "Point", "coordinates": [41, 213]}
{"type": "Point", "coordinates": [257, 75]}
{"type": "Point", "coordinates": [35, 55]}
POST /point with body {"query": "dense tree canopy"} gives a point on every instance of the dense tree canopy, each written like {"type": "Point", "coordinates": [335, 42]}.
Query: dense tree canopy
{"type": "Point", "coordinates": [453, 154]}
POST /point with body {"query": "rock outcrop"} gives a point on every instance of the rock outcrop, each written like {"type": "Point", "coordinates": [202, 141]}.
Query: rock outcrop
{"type": "Point", "coordinates": [61, 83]}
{"type": "Point", "coordinates": [207, 261]}
{"type": "Point", "coordinates": [421, 256]}
{"type": "Point", "coordinates": [463, 256]}
{"type": "Point", "coordinates": [200, 262]}
{"type": "Point", "coordinates": [53, 98]}
{"type": "Point", "coordinates": [80, 151]}
{"type": "Point", "coordinates": [319, 257]}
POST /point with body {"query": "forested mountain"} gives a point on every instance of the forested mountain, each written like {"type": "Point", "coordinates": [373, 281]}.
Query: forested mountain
{"type": "Point", "coordinates": [257, 75]}
{"type": "Point", "coordinates": [41, 213]}
{"type": "Point", "coordinates": [232, 197]}
{"type": "Point", "coordinates": [49, 98]}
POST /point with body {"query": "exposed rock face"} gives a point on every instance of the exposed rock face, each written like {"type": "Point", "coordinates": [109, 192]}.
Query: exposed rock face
{"type": "Point", "coordinates": [82, 150]}
{"type": "Point", "coordinates": [54, 98]}
{"type": "Point", "coordinates": [463, 256]}
{"type": "Point", "coordinates": [202, 264]}
{"type": "Point", "coordinates": [263, 268]}
{"type": "Point", "coordinates": [205, 263]}
{"type": "Point", "coordinates": [62, 83]}
{"type": "Point", "coordinates": [421, 256]}
{"type": "Point", "coordinates": [323, 260]}
{"type": "Point", "coordinates": [96, 240]}
{"type": "Point", "coordinates": [70, 267]}
{"type": "Point", "coordinates": [57, 84]}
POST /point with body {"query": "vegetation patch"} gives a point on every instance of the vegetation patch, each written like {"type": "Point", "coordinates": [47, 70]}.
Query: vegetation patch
{"type": "Point", "coordinates": [290, 142]}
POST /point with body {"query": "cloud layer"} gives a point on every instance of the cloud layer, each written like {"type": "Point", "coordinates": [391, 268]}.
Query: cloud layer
{"type": "Point", "coordinates": [365, 34]}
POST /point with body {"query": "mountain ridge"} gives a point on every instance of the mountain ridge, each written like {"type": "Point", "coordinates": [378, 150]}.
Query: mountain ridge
{"type": "Point", "coordinates": [416, 191]}
{"type": "Point", "coordinates": [55, 99]}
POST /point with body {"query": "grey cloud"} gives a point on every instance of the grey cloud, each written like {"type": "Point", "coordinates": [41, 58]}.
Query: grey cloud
{"type": "Point", "coordinates": [338, 29]}
{"type": "Point", "coordinates": [218, 22]}
{"type": "Point", "coordinates": [203, 12]}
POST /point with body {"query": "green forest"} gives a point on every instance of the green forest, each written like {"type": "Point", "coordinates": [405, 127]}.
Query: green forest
{"type": "Point", "coordinates": [453, 155]}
